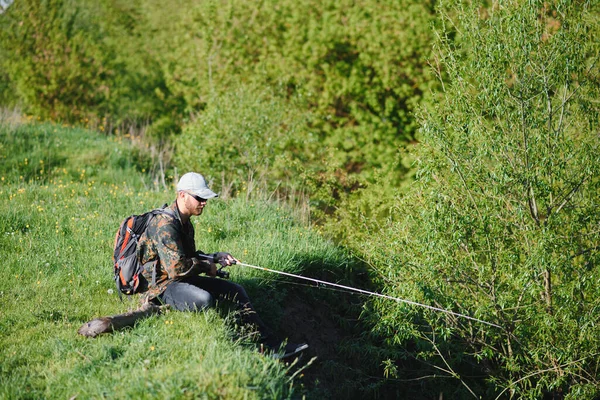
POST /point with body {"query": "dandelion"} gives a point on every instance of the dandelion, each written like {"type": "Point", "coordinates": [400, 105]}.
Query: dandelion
{"type": "Point", "coordinates": [109, 291]}
{"type": "Point", "coordinates": [151, 348]}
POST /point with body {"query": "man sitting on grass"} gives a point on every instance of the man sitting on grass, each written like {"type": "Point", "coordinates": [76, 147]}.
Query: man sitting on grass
{"type": "Point", "coordinates": [172, 266]}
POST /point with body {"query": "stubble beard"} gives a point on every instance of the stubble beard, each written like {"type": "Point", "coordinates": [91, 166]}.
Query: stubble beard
{"type": "Point", "coordinates": [193, 210]}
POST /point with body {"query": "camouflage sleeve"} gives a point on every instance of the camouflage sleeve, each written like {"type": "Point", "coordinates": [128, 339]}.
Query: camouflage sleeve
{"type": "Point", "coordinates": [172, 253]}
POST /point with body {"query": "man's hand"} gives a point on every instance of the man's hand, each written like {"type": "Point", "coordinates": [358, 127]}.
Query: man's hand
{"type": "Point", "coordinates": [225, 259]}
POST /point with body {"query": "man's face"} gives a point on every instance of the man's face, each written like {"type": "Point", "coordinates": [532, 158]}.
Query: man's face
{"type": "Point", "coordinates": [194, 204]}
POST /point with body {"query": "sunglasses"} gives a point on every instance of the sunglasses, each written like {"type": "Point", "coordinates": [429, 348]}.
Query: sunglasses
{"type": "Point", "coordinates": [198, 198]}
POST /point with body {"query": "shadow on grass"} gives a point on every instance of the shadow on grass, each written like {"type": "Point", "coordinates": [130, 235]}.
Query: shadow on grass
{"type": "Point", "coordinates": [349, 360]}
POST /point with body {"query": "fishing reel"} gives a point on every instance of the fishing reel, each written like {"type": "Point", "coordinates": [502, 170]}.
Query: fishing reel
{"type": "Point", "coordinates": [222, 274]}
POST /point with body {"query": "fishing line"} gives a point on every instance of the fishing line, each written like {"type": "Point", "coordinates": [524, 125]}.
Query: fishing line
{"type": "Point", "coordinates": [365, 292]}
{"type": "Point", "coordinates": [368, 293]}
{"type": "Point", "coordinates": [305, 285]}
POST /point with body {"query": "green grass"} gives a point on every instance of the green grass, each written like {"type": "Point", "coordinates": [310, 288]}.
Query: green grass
{"type": "Point", "coordinates": [64, 192]}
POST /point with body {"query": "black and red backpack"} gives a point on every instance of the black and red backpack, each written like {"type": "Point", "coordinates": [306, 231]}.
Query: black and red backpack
{"type": "Point", "coordinates": [128, 269]}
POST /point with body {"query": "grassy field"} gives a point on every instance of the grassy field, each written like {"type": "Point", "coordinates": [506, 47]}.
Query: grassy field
{"type": "Point", "coordinates": [63, 193]}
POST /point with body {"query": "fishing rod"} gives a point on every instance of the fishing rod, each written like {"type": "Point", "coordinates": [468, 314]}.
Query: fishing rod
{"type": "Point", "coordinates": [366, 292]}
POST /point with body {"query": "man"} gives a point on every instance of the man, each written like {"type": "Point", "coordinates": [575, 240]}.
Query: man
{"type": "Point", "coordinates": [172, 265]}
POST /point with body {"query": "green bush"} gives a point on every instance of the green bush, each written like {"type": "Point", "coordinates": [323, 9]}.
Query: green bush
{"type": "Point", "coordinates": [503, 223]}
{"type": "Point", "coordinates": [360, 66]}
{"type": "Point", "coordinates": [80, 62]}
{"type": "Point", "coordinates": [246, 135]}
{"type": "Point", "coordinates": [7, 96]}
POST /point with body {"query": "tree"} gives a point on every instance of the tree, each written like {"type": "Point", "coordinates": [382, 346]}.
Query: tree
{"type": "Point", "coordinates": [503, 223]}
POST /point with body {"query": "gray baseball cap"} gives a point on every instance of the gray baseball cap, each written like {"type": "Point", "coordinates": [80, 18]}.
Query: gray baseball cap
{"type": "Point", "coordinates": [195, 183]}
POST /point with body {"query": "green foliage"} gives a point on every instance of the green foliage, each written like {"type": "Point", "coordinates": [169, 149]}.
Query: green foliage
{"type": "Point", "coordinates": [7, 97]}
{"type": "Point", "coordinates": [359, 66]}
{"type": "Point", "coordinates": [79, 62]}
{"type": "Point", "coordinates": [503, 224]}
{"type": "Point", "coordinates": [52, 61]}
{"type": "Point", "coordinates": [248, 134]}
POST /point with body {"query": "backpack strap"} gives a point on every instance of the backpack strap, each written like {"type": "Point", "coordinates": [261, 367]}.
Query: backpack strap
{"type": "Point", "coordinates": [164, 210]}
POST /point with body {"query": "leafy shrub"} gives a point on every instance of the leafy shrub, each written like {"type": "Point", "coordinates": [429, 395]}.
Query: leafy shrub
{"type": "Point", "coordinates": [361, 66]}
{"type": "Point", "coordinates": [360, 69]}
{"type": "Point", "coordinates": [247, 134]}
{"type": "Point", "coordinates": [503, 224]}
{"type": "Point", "coordinates": [80, 62]}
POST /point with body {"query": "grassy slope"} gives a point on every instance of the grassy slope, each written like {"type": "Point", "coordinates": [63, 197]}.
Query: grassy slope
{"type": "Point", "coordinates": [64, 191]}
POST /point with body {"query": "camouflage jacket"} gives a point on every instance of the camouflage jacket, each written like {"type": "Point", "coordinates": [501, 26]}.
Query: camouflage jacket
{"type": "Point", "coordinates": [167, 251]}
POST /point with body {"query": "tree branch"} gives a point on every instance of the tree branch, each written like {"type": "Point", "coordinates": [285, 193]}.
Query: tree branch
{"type": "Point", "coordinates": [569, 196]}
{"type": "Point", "coordinates": [450, 371]}
{"type": "Point", "coordinates": [530, 193]}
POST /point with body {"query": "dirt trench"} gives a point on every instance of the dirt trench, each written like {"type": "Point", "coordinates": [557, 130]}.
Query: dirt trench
{"type": "Point", "coordinates": [330, 325]}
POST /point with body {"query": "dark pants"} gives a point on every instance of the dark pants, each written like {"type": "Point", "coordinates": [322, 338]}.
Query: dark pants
{"type": "Point", "coordinates": [198, 292]}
